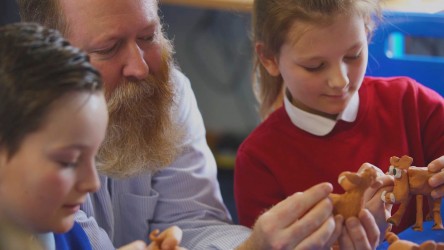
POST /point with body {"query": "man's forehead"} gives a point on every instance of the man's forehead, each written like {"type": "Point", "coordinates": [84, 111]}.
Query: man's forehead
{"type": "Point", "coordinates": [94, 17]}
{"type": "Point", "coordinates": [96, 8]}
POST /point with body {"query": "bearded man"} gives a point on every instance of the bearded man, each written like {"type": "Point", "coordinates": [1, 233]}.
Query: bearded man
{"type": "Point", "coordinates": [156, 168]}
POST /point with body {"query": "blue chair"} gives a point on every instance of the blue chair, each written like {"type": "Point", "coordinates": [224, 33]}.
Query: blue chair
{"type": "Point", "coordinates": [388, 49]}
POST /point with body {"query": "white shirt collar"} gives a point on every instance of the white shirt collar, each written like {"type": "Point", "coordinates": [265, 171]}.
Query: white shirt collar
{"type": "Point", "coordinates": [47, 240]}
{"type": "Point", "coordinates": [318, 125]}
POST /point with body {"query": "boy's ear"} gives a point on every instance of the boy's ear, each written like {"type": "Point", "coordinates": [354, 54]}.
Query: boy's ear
{"type": "Point", "coordinates": [3, 156]}
{"type": "Point", "coordinates": [267, 59]}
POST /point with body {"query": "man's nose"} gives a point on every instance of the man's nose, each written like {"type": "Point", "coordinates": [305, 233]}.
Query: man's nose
{"type": "Point", "coordinates": [135, 66]}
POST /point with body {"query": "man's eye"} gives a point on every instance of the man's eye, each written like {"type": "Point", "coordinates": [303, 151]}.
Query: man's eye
{"type": "Point", "coordinates": [149, 38]}
{"type": "Point", "coordinates": [105, 51]}
{"type": "Point", "coordinates": [109, 51]}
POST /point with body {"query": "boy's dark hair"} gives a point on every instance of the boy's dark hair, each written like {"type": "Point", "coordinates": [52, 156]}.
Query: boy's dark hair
{"type": "Point", "coordinates": [37, 66]}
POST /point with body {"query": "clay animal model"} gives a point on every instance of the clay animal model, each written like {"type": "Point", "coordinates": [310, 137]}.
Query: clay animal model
{"type": "Point", "coordinates": [397, 244]}
{"type": "Point", "coordinates": [410, 180]}
{"type": "Point", "coordinates": [172, 234]}
{"type": "Point", "coordinates": [351, 202]}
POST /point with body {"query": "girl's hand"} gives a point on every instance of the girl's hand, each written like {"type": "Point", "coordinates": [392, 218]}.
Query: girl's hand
{"type": "Point", "coordinates": [360, 233]}
{"type": "Point", "coordinates": [437, 180]}
{"type": "Point", "coordinates": [372, 199]}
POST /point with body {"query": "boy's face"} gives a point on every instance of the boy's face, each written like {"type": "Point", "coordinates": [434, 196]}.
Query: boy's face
{"type": "Point", "coordinates": [323, 66]}
{"type": "Point", "coordinates": [43, 184]}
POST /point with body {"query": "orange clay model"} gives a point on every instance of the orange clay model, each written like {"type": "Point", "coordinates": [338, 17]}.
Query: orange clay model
{"type": "Point", "coordinates": [410, 180]}
{"type": "Point", "coordinates": [352, 201]}
{"type": "Point", "coordinates": [171, 236]}
{"type": "Point", "coordinates": [396, 244]}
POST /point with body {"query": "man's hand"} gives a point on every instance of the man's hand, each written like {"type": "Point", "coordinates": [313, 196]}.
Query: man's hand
{"type": "Point", "coordinates": [303, 220]}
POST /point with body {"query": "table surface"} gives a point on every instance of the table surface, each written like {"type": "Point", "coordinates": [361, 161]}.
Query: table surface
{"type": "Point", "coordinates": [426, 6]}
{"type": "Point", "coordinates": [418, 237]}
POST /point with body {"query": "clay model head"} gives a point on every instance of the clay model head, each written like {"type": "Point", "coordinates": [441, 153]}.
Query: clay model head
{"type": "Point", "coordinates": [403, 163]}
{"type": "Point", "coordinates": [351, 202]}
{"type": "Point", "coordinates": [364, 179]}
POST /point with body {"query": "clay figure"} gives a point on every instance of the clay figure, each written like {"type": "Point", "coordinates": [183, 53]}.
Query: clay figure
{"type": "Point", "coordinates": [351, 202]}
{"type": "Point", "coordinates": [408, 181]}
{"type": "Point", "coordinates": [172, 234]}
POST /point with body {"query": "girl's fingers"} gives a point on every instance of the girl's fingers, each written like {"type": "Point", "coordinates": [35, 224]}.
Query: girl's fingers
{"type": "Point", "coordinates": [370, 227]}
{"type": "Point", "coordinates": [345, 241]}
{"type": "Point", "coordinates": [436, 165]}
{"type": "Point", "coordinates": [357, 234]}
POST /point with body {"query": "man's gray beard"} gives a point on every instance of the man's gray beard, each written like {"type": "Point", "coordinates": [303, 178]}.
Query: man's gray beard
{"type": "Point", "coordinates": [141, 135]}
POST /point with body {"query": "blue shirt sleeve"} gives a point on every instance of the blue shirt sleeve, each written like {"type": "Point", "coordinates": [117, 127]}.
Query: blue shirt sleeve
{"type": "Point", "coordinates": [74, 239]}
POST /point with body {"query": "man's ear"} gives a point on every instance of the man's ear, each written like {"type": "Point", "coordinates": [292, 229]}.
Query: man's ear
{"type": "Point", "coordinates": [267, 59]}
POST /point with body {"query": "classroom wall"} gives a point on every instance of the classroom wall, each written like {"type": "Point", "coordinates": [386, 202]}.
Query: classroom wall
{"type": "Point", "coordinates": [213, 49]}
